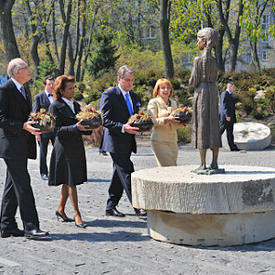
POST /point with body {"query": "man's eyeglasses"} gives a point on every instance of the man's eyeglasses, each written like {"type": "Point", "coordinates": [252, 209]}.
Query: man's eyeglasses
{"type": "Point", "coordinates": [23, 68]}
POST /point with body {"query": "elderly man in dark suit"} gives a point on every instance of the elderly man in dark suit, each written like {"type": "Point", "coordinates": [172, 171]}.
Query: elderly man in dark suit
{"type": "Point", "coordinates": [227, 115]}
{"type": "Point", "coordinates": [43, 101]}
{"type": "Point", "coordinates": [117, 105]}
{"type": "Point", "coordinates": [17, 144]}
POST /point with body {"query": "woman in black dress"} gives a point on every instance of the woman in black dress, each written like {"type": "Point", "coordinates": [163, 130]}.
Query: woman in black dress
{"type": "Point", "coordinates": [68, 160]}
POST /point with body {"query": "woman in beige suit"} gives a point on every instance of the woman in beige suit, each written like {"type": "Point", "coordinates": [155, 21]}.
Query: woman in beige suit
{"type": "Point", "coordinates": [164, 134]}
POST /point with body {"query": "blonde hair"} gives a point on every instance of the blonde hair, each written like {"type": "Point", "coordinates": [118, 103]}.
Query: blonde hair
{"type": "Point", "coordinates": [160, 82]}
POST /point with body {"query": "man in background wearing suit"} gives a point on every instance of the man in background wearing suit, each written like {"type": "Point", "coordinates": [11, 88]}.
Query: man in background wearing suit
{"type": "Point", "coordinates": [227, 115]}
{"type": "Point", "coordinates": [117, 105]}
{"type": "Point", "coordinates": [17, 144]}
{"type": "Point", "coordinates": [43, 100]}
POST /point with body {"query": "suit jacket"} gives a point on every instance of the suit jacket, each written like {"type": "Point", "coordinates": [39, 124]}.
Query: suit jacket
{"type": "Point", "coordinates": [162, 132]}
{"type": "Point", "coordinates": [15, 142]}
{"type": "Point", "coordinates": [41, 100]}
{"type": "Point", "coordinates": [68, 151]}
{"type": "Point", "coordinates": [115, 114]}
{"type": "Point", "coordinates": [227, 107]}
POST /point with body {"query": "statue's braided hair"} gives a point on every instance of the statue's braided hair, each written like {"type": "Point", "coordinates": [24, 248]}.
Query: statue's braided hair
{"type": "Point", "coordinates": [210, 37]}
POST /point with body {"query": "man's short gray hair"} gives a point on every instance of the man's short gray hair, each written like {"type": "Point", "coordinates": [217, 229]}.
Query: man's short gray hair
{"type": "Point", "coordinates": [123, 70]}
{"type": "Point", "coordinates": [14, 65]}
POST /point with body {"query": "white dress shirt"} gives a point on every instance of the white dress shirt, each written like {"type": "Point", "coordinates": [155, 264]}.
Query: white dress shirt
{"type": "Point", "coordinates": [17, 84]}
{"type": "Point", "coordinates": [51, 99]}
{"type": "Point", "coordinates": [70, 102]}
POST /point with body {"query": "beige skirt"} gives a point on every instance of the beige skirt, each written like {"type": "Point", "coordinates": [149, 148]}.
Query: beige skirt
{"type": "Point", "coordinates": [166, 153]}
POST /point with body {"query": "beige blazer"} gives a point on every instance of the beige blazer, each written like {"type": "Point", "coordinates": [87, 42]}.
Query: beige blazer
{"type": "Point", "coordinates": [162, 132]}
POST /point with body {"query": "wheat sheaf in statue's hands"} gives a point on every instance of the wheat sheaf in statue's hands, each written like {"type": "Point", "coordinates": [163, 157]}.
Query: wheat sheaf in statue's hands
{"type": "Point", "coordinates": [43, 120]}
{"type": "Point", "coordinates": [142, 121]}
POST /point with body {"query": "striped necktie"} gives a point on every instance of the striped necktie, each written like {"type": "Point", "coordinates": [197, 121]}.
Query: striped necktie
{"type": "Point", "coordinates": [23, 92]}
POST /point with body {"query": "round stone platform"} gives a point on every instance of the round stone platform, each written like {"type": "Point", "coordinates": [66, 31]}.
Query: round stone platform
{"type": "Point", "coordinates": [221, 209]}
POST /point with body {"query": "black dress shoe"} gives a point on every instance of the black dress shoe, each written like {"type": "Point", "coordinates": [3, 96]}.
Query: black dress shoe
{"type": "Point", "coordinates": [141, 212]}
{"type": "Point", "coordinates": [114, 212]}
{"type": "Point", "coordinates": [59, 217]}
{"type": "Point", "coordinates": [235, 149]}
{"type": "Point", "coordinates": [12, 233]}
{"type": "Point", "coordinates": [44, 177]}
{"type": "Point", "coordinates": [36, 234]}
{"type": "Point", "coordinates": [81, 225]}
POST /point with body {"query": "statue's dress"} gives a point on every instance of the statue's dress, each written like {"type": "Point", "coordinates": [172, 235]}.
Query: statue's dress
{"type": "Point", "coordinates": [205, 119]}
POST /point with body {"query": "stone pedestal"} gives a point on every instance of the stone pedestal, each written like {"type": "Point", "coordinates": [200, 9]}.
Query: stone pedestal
{"type": "Point", "coordinates": [222, 209]}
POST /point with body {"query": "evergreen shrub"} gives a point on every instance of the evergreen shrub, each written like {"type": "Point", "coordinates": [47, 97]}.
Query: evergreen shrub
{"type": "Point", "coordinates": [184, 134]}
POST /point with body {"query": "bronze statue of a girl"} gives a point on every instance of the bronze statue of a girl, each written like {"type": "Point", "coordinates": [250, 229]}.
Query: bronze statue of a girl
{"type": "Point", "coordinates": [205, 120]}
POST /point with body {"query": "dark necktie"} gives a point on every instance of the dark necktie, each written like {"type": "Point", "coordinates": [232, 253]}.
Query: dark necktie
{"type": "Point", "coordinates": [129, 105]}
{"type": "Point", "coordinates": [23, 92]}
{"type": "Point", "coordinates": [49, 95]}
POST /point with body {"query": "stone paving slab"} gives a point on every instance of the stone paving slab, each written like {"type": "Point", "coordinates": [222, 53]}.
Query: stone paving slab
{"type": "Point", "coordinates": [122, 245]}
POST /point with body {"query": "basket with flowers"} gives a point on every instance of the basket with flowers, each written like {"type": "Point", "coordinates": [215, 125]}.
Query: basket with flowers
{"type": "Point", "coordinates": [141, 120]}
{"type": "Point", "coordinates": [183, 114]}
{"type": "Point", "coordinates": [43, 120]}
{"type": "Point", "coordinates": [90, 117]}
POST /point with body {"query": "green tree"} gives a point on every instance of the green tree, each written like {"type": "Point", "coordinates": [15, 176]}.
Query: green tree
{"type": "Point", "coordinates": [102, 56]}
{"type": "Point", "coordinates": [251, 21]}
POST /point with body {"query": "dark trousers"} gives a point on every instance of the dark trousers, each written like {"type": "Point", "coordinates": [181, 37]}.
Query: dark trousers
{"type": "Point", "coordinates": [45, 138]}
{"type": "Point", "coordinates": [121, 179]}
{"type": "Point", "coordinates": [228, 126]}
{"type": "Point", "coordinates": [18, 192]}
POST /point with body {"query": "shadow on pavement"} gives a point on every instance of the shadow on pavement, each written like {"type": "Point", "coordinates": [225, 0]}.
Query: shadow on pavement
{"type": "Point", "coordinates": [98, 180]}
{"type": "Point", "coordinates": [116, 236]}
{"type": "Point", "coordinates": [113, 222]}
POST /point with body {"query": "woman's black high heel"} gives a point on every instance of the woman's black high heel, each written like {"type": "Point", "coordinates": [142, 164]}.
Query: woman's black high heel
{"type": "Point", "coordinates": [81, 225]}
{"type": "Point", "coordinates": [58, 216]}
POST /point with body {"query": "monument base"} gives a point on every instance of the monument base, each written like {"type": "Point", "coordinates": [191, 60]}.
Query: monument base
{"type": "Point", "coordinates": [211, 229]}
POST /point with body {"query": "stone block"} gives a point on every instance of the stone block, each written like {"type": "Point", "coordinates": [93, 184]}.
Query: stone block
{"type": "Point", "coordinates": [249, 136]}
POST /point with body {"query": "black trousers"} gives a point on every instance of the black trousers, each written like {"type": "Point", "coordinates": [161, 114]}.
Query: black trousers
{"type": "Point", "coordinates": [121, 179]}
{"type": "Point", "coordinates": [18, 192]}
{"type": "Point", "coordinates": [228, 126]}
{"type": "Point", "coordinates": [45, 138]}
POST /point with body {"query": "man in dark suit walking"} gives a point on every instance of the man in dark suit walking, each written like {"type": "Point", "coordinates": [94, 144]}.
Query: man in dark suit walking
{"type": "Point", "coordinates": [227, 115]}
{"type": "Point", "coordinates": [43, 100]}
{"type": "Point", "coordinates": [117, 105]}
{"type": "Point", "coordinates": [17, 144]}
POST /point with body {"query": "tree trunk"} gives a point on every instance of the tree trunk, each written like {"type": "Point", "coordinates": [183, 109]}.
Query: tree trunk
{"type": "Point", "coordinates": [233, 42]}
{"type": "Point", "coordinates": [73, 52]}
{"type": "Point", "coordinates": [81, 46]}
{"type": "Point", "coordinates": [35, 39]}
{"type": "Point", "coordinates": [164, 38]}
{"type": "Point", "coordinates": [219, 56]}
{"type": "Point", "coordinates": [8, 36]}
{"type": "Point", "coordinates": [255, 57]}
{"type": "Point", "coordinates": [71, 55]}
{"type": "Point", "coordinates": [65, 36]}
{"type": "Point", "coordinates": [88, 44]}
{"type": "Point", "coordinates": [54, 36]}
